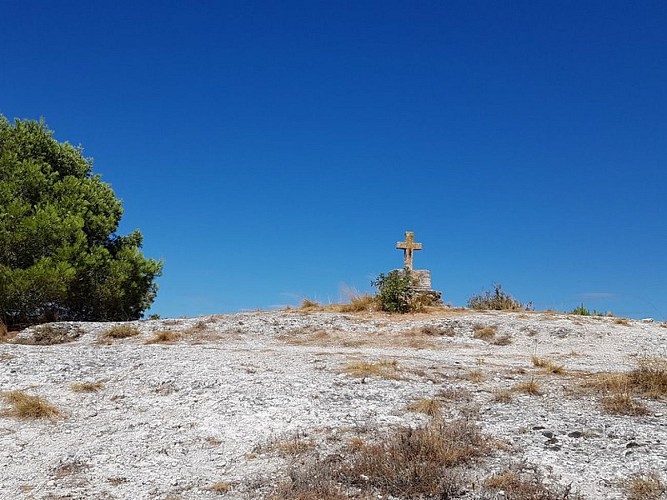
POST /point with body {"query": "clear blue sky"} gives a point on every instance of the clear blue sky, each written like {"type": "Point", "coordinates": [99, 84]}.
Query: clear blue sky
{"type": "Point", "coordinates": [271, 151]}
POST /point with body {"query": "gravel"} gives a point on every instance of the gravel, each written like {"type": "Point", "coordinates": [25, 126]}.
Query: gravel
{"type": "Point", "coordinates": [174, 419]}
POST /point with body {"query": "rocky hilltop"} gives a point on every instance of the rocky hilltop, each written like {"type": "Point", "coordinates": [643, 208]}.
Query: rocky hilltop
{"type": "Point", "coordinates": [288, 404]}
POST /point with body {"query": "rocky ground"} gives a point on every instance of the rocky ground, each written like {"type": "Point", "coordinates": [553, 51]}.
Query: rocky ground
{"type": "Point", "coordinates": [229, 405]}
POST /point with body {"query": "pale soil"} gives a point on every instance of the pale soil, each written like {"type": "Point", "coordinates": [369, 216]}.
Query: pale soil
{"type": "Point", "coordinates": [173, 419]}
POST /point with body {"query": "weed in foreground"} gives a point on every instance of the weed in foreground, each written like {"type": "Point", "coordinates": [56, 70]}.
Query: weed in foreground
{"type": "Point", "coordinates": [26, 407]}
{"type": "Point", "coordinates": [87, 386]}
{"type": "Point", "coordinates": [309, 304]}
{"type": "Point", "coordinates": [645, 486]}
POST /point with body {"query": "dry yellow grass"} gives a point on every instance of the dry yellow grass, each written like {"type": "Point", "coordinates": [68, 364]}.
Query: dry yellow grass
{"type": "Point", "coordinates": [475, 376]}
{"type": "Point", "coordinates": [486, 333]}
{"type": "Point", "coordinates": [220, 487]}
{"type": "Point", "coordinates": [430, 407]}
{"type": "Point", "coordinates": [360, 303]}
{"type": "Point", "coordinates": [531, 387]}
{"type": "Point", "coordinates": [622, 403]}
{"type": "Point", "coordinates": [164, 337]}
{"type": "Point", "coordinates": [548, 365]}
{"type": "Point", "coordinates": [622, 321]}
{"type": "Point", "coordinates": [503, 396]}
{"type": "Point", "coordinates": [292, 447]}
{"type": "Point", "coordinates": [384, 369]}
{"type": "Point", "coordinates": [87, 386]}
{"type": "Point", "coordinates": [119, 332]}
{"type": "Point", "coordinates": [27, 407]}
{"type": "Point", "coordinates": [645, 486]}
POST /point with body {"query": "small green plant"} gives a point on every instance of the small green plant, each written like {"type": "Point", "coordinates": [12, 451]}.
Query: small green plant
{"type": "Point", "coordinates": [395, 291]}
{"type": "Point", "coordinates": [497, 300]}
{"type": "Point", "coordinates": [581, 310]}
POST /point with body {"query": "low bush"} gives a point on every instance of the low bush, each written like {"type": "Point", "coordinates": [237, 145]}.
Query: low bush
{"type": "Point", "coordinates": [51, 335]}
{"type": "Point", "coordinates": [497, 300]}
{"type": "Point", "coordinates": [396, 291]}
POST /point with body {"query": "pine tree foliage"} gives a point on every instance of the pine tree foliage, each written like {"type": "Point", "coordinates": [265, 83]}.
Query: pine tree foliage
{"type": "Point", "coordinates": [60, 256]}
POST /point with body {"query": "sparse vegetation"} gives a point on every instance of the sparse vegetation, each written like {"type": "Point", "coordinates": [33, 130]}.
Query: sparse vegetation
{"type": "Point", "coordinates": [526, 483]}
{"type": "Point", "coordinates": [26, 407]}
{"type": "Point", "coordinates": [120, 332]}
{"type": "Point", "coordinates": [581, 310]}
{"type": "Point", "coordinates": [430, 407]}
{"type": "Point", "coordinates": [309, 304]}
{"type": "Point", "coordinates": [383, 369]}
{"type": "Point", "coordinates": [503, 396]}
{"type": "Point", "coordinates": [486, 333]}
{"type": "Point", "coordinates": [531, 387]}
{"type": "Point", "coordinates": [645, 486]}
{"type": "Point", "coordinates": [475, 376]}
{"type": "Point", "coordinates": [622, 403]}
{"type": "Point", "coordinates": [52, 335]}
{"type": "Point", "coordinates": [497, 300]}
{"type": "Point", "coordinates": [360, 303]}
{"type": "Point", "coordinates": [164, 336]}
{"type": "Point", "coordinates": [87, 386]}
{"type": "Point", "coordinates": [548, 365]}
{"type": "Point", "coordinates": [220, 487]}
{"type": "Point", "coordinates": [622, 321]}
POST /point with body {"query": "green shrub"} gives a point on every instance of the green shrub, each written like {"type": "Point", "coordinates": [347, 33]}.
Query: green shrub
{"type": "Point", "coordinates": [60, 255]}
{"type": "Point", "coordinates": [395, 291]}
{"type": "Point", "coordinates": [582, 311]}
{"type": "Point", "coordinates": [497, 300]}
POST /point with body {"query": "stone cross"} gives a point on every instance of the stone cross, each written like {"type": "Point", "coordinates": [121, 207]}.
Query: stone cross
{"type": "Point", "coordinates": [408, 246]}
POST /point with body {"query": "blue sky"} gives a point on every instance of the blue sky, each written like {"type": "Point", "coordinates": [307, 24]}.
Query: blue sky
{"type": "Point", "coordinates": [271, 151]}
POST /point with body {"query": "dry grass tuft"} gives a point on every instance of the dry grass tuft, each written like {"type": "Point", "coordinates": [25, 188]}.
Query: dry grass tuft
{"type": "Point", "coordinates": [502, 340]}
{"type": "Point", "coordinates": [5, 356]}
{"type": "Point", "coordinates": [503, 396]}
{"type": "Point", "coordinates": [622, 321]}
{"type": "Point", "coordinates": [309, 304]}
{"type": "Point", "coordinates": [523, 483]}
{"type": "Point", "coordinates": [475, 376]}
{"type": "Point", "coordinates": [360, 303]}
{"type": "Point", "coordinates": [87, 386]}
{"type": "Point", "coordinates": [119, 332]}
{"type": "Point", "coordinates": [164, 336]}
{"type": "Point", "coordinates": [548, 365]}
{"type": "Point", "coordinates": [645, 486]}
{"type": "Point", "coordinates": [430, 407]}
{"type": "Point", "coordinates": [27, 407]}
{"type": "Point", "coordinates": [454, 394]}
{"type": "Point", "coordinates": [292, 447]}
{"type": "Point", "coordinates": [531, 387]}
{"type": "Point", "coordinates": [622, 403]}
{"type": "Point", "coordinates": [220, 487]}
{"type": "Point", "coordinates": [384, 369]}
{"type": "Point", "coordinates": [437, 331]}
{"type": "Point", "coordinates": [648, 379]}
{"type": "Point", "coordinates": [486, 333]}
